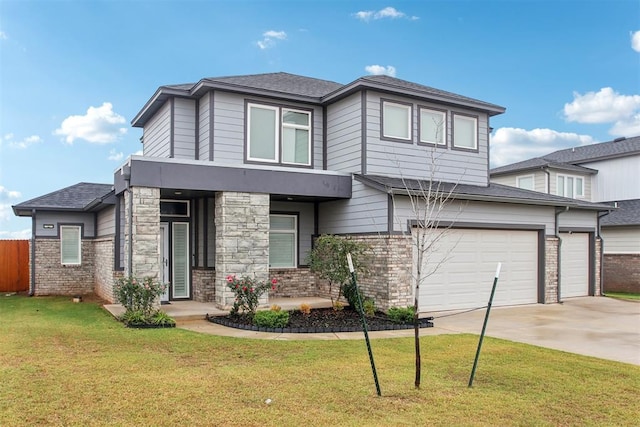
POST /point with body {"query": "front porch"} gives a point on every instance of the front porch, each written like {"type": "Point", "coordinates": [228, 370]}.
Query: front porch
{"type": "Point", "coordinates": [184, 311]}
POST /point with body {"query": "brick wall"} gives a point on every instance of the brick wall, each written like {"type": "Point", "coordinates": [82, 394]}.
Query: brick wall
{"type": "Point", "coordinates": [551, 270]}
{"type": "Point", "coordinates": [622, 273]}
{"type": "Point", "coordinates": [294, 283]}
{"type": "Point", "coordinates": [53, 278]}
{"type": "Point", "coordinates": [105, 276]}
{"type": "Point", "coordinates": [203, 282]}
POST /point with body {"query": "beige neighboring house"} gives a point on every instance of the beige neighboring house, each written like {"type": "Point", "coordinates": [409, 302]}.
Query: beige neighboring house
{"type": "Point", "coordinates": [608, 172]}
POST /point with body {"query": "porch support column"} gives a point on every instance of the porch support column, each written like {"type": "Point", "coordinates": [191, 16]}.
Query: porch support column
{"type": "Point", "coordinates": [145, 236]}
{"type": "Point", "coordinates": [242, 240]}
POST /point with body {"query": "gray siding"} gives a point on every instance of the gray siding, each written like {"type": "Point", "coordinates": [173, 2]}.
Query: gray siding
{"type": "Point", "coordinates": [157, 133]}
{"type": "Point", "coordinates": [87, 220]}
{"type": "Point", "coordinates": [621, 240]}
{"type": "Point", "coordinates": [203, 141]}
{"type": "Point", "coordinates": [411, 160]}
{"type": "Point", "coordinates": [495, 214]}
{"type": "Point", "coordinates": [578, 219]}
{"type": "Point", "coordinates": [365, 212]}
{"type": "Point", "coordinates": [184, 129]}
{"type": "Point", "coordinates": [586, 180]}
{"type": "Point", "coordinates": [107, 222]}
{"type": "Point", "coordinates": [539, 180]}
{"type": "Point", "coordinates": [305, 224]}
{"type": "Point", "coordinates": [228, 128]}
{"type": "Point", "coordinates": [344, 134]}
{"type": "Point", "coordinates": [210, 239]}
{"type": "Point", "coordinates": [617, 179]}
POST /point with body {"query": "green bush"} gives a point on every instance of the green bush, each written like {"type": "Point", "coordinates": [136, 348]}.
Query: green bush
{"type": "Point", "coordinates": [369, 307]}
{"type": "Point", "coordinates": [401, 314]}
{"type": "Point", "coordinates": [271, 319]}
{"type": "Point", "coordinates": [161, 318]}
{"type": "Point", "coordinates": [350, 292]}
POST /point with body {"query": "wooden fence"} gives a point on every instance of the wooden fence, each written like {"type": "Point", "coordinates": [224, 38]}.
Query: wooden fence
{"type": "Point", "coordinates": [14, 265]}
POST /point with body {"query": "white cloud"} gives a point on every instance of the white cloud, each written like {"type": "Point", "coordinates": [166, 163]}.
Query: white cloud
{"type": "Point", "coordinates": [269, 39]}
{"type": "Point", "coordinates": [510, 145]}
{"type": "Point", "coordinates": [8, 194]}
{"type": "Point", "coordinates": [626, 127]}
{"type": "Point", "coordinates": [115, 156]}
{"type": "Point", "coordinates": [378, 70]}
{"type": "Point", "coordinates": [386, 13]}
{"type": "Point", "coordinates": [19, 235]}
{"type": "Point", "coordinates": [635, 41]}
{"type": "Point", "coordinates": [3, 35]}
{"type": "Point", "coordinates": [25, 142]}
{"type": "Point", "coordinates": [101, 125]}
{"type": "Point", "coordinates": [5, 208]}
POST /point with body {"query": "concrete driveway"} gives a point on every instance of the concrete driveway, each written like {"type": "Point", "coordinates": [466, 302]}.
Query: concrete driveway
{"type": "Point", "coordinates": [602, 327]}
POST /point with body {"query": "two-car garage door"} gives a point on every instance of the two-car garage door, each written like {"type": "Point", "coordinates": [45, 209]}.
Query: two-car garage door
{"type": "Point", "coordinates": [465, 278]}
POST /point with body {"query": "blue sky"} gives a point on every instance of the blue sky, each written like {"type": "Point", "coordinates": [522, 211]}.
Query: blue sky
{"type": "Point", "coordinates": [74, 73]}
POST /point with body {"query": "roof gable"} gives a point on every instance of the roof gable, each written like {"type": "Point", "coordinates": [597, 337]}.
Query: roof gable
{"type": "Point", "coordinates": [78, 197]}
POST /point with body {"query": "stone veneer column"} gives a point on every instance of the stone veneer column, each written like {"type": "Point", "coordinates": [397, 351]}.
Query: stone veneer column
{"type": "Point", "coordinates": [551, 270]}
{"type": "Point", "coordinates": [242, 240]}
{"type": "Point", "coordinates": [146, 232]}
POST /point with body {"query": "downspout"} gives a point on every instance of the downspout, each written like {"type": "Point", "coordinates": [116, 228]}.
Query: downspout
{"type": "Point", "coordinates": [559, 255]}
{"type": "Point", "coordinates": [32, 282]}
{"type": "Point", "coordinates": [600, 216]}
{"type": "Point", "coordinates": [546, 172]}
{"type": "Point", "coordinates": [127, 178]}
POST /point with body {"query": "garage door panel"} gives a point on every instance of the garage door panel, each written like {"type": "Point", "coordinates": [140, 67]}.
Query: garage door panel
{"type": "Point", "coordinates": [574, 270]}
{"type": "Point", "coordinates": [465, 279]}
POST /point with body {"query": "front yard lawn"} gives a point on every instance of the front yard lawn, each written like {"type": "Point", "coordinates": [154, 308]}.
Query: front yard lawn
{"type": "Point", "coordinates": [73, 364]}
{"type": "Point", "coordinates": [624, 295]}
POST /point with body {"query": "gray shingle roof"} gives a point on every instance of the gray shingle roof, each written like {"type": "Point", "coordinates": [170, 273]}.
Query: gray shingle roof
{"type": "Point", "coordinates": [573, 157]}
{"type": "Point", "coordinates": [291, 84]}
{"type": "Point", "coordinates": [79, 197]}
{"type": "Point", "coordinates": [493, 192]}
{"type": "Point", "coordinates": [627, 213]}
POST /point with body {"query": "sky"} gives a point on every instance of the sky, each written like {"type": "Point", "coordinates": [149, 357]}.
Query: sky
{"type": "Point", "coordinates": [74, 73]}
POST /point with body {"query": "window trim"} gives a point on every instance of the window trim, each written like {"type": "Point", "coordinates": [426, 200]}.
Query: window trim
{"type": "Point", "coordinates": [279, 126]}
{"type": "Point", "coordinates": [473, 117]}
{"type": "Point", "coordinates": [296, 233]}
{"type": "Point", "coordinates": [79, 229]}
{"type": "Point", "coordinates": [533, 181]}
{"type": "Point", "coordinates": [409, 107]}
{"type": "Point", "coordinates": [575, 180]}
{"type": "Point", "coordinates": [445, 113]}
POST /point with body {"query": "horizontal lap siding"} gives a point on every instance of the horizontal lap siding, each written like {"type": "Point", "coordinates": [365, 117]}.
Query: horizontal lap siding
{"type": "Point", "coordinates": [344, 135]}
{"type": "Point", "coordinates": [107, 222]}
{"type": "Point", "coordinates": [203, 151]}
{"type": "Point", "coordinates": [539, 180]}
{"type": "Point", "coordinates": [228, 128]}
{"type": "Point", "coordinates": [578, 219]}
{"type": "Point", "coordinates": [365, 212]}
{"type": "Point", "coordinates": [621, 240]}
{"type": "Point", "coordinates": [412, 160]}
{"type": "Point", "coordinates": [157, 133]}
{"type": "Point", "coordinates": [87, 220]}
{"type": "Point", "coordinates": [184, 129]}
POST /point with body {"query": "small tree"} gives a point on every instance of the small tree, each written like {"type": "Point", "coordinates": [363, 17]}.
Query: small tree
{"type": "Point", "coordinates": [328, 259]}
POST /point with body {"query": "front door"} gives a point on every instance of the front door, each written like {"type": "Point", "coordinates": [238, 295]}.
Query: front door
{"type": "Point", "coordinates": [180, 260]}
{"type": "Point", "coordinates": [163, 260]}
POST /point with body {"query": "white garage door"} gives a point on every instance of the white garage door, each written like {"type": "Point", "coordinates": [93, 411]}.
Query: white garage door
{"type": "Point", "coordinates": [465, 278]}
{"type": "Point", "coordinates": [574, 268]}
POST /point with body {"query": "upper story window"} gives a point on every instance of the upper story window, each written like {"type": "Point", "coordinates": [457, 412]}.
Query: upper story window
{"type": "Point", "coordinates": [526, 182]}
{"type": "Point", "coordinates": [70, 244]}
{"type": "Point", "coordinates": [278, 135]}
{"type": "Point", "coordinates": [433, 126]}
{"type": "Point", "coordinates": [465, 131]}
{"type": "Point", "coordinates": [396, 120]}
{"type": "Point", "coordinates": [570, 186]}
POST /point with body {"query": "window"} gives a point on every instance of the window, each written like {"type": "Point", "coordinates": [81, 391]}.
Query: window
{"type": "Point", "coordinates": [433, 126]}
{"type": "Point", "coordinates": [396, 120]}
{"type": "Point", "coordinates": [465, 132]}
{"type": "Point", "coordinates": [570, 186]}
{"type": "Point", "coordinates": [283, 241]}
{"type": "Point", "coordinates": [525, 182]}
{"type": "Point", "coordinates": [70, 244]}
{"type": "Point", "coordinates": [278, 135]}
{"type": "Point", "coordinates": [174, 208]}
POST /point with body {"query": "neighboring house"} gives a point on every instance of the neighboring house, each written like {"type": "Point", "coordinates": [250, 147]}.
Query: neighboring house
{"type": "Point", "coordinates": [608, 172]}
{"type": "Point", "coordinates": [238, 174]}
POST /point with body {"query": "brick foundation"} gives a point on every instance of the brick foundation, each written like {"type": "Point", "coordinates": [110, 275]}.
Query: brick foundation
{"type": "Point", "coordinates": [294, 283]}
{"type": "Point", "coordinates": [622, 273]}
{"type": "Point", "coordinates": [203, 284]}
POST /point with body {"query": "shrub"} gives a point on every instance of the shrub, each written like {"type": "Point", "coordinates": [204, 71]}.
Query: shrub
{"type": "Point", "coordinates": [247, 292]}
{"type": "Point", "coordinates": [401, 314]}
{"type": "Point", "coordinates": [276, 307]}
{"type": "Point", "coordinates": [350, 292]}
{"type": "Point", "coordinates": [305, 308]}
{"type": "Point", "coordinates": [133, 317]}
{"type": "Point", "coordinates": [369, 307]}
{"type": "Point", "coordinates": [138, 295]}
{"type": "Point", "coordinates": [161, 318]}
{"type": "Point", "coordinates": [271, 319]}
{"type": "Point", "coordinates": [338, 306]}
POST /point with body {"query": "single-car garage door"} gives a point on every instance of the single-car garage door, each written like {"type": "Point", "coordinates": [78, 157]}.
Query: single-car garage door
{"type": "Point", "coordinates": [465, 277]}
{"type": "Point", "coordinates": [574, 265]}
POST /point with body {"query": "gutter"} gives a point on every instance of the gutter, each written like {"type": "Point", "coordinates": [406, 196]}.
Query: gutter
{"type": "Point", "coordinates": [32, 282]}
{"type": "Point", "coordinates": [559, 255]}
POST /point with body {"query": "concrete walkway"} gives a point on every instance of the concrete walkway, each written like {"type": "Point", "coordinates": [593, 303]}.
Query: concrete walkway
{"type": "Point", "coordinates": [606, 328]}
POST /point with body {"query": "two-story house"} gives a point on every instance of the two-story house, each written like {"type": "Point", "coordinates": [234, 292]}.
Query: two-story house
{"type": "Point", "coordinates": [607, 172]}
{"type": "Point", "coordinates": [238, 174]}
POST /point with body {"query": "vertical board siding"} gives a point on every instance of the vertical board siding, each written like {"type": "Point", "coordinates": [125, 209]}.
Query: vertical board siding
{"type": "Point", "coordinates": [365, 212]}
{"type": "Point", "coordinates": [411, 160]}
{"type": "Point", "coordinates": [203, 149]}
{"type": "Point", "coordinates": [211, 224]}
{"type": "Point", "coordinates": [305, 224]}
{"type": "Point", "coordinates": [344, 135]}
{"type": "Point", "coordinates": [184, 129]}
{"type": "Point", "coordinates": [14, 265]}
{"type": "Point", "coordinates": [106, 222]}
{"type": "Point", "coordinates": [617, 179]}
{"type": "Point", "coordinates": [157, 133]}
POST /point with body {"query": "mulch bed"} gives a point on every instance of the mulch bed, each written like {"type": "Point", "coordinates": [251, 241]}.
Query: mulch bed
{"type": "Point", "coordinates": [320, 320]}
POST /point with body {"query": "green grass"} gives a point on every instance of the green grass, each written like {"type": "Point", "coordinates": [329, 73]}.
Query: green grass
{"type": "Point", "coordinates": [624, 295]}
{"type": "Point", "coordinates": [72, 364]}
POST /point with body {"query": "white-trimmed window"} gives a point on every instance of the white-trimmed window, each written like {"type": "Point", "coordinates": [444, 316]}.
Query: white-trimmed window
{"type": "Point", "coordinates": [278, 135]}
{"type": "Point", "coordinates": [570, 186]}
{"type": "Point", "coordinates": [433, 126]}
{"type": "Point", "coordinates": [396, 120]}
{"type": "Point", "coordinates": [526, 182]}
{"type": "Point", "coordinates": [283, 240]}
{"type": "Point", "coordinates": [70, 244]}
{"type": "Point", "coordinates": [465, 131]}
